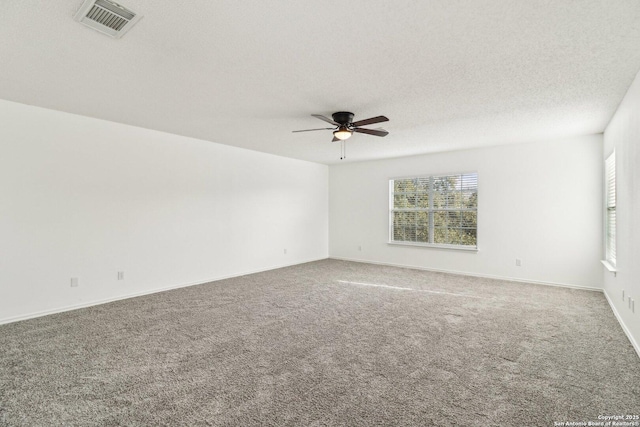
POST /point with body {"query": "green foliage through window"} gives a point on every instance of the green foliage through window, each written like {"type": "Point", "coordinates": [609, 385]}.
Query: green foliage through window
{"type": "Point", "coordinates": [435, 209]}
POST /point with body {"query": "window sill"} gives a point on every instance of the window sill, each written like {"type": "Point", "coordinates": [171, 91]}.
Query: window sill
{"type": "Point", "coordinates": [609, 267]}
{"type": "Point", "coordinates": [434, 246]}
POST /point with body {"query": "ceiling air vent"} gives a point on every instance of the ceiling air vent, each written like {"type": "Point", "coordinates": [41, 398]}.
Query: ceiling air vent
{"type": "Point", "coordinates": [107, 17]}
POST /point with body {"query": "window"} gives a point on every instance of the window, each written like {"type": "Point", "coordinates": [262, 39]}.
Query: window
{"type": "Point", "coordinates": [610, 205]}
{"type": "Point", "coordinates": [434, 210]}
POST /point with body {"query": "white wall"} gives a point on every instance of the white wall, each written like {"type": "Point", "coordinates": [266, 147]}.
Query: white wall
{"type": "Point", "coordinates": [623, 134]}
{"type": "Point", "coordinates": [539, 202]}
{"type": "Point", "coordinates": [86, 198]}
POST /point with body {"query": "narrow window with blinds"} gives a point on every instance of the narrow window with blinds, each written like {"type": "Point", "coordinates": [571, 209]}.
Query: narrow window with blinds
{"type": "Point", "coordinates": [610, 206]}
{"type": "Point", "coordinates": [434, 210]}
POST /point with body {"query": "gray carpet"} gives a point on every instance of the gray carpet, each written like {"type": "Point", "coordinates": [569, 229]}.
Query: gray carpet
{"type": "Point", "coordinates": [316, 344]}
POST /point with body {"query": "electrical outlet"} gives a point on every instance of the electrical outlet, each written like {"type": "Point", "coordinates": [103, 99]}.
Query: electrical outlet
{"type": "Point", "coordinates": [518, 262]}
{"type": "Point", "coordinates": [120, 275]}
{"type": "Point", "coordinates": [74, 282]}
{"type": "Point", "coordinates": [633, 306]}
{"type": "Point", "coordinates": [623, 295]}
{"type": "Point", "coordinates": [359, 247]}
{"type": "Point", "coordinates": [629, 299]}
{"type": "Point", "coordinates": [285, 251]}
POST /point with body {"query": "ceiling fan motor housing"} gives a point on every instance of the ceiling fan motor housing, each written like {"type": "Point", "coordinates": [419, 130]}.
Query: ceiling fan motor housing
{"type": "Point", "coordinates": [343, 117]}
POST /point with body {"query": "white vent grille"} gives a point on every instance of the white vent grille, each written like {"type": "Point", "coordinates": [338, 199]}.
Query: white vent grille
{"type": "Point", "coordinates": [107, 17]}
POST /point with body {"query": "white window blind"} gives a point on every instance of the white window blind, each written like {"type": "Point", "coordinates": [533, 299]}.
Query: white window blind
{"type": "Point", "coordinates": [610, 205]}
{"type": "Point", "coordinates": [434, 210]}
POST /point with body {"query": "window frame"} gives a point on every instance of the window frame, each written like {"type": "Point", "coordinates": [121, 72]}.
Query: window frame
{"type": "Point", "coordinates": [610, 254]}
{"type": "Point", "coordinates": [430, 211]}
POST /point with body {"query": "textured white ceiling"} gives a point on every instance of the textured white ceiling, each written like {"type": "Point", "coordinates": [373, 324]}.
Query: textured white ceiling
{"type": "Point", "coordinates": [449, 74]}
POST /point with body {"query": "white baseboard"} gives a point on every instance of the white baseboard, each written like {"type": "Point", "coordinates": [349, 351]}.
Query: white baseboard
{"type": "Point", "coordinates": [626, 330]}
{"type": "Point", "coordinates": [138, 294]}
{"type": "Point", "coordinates": [465, 273]}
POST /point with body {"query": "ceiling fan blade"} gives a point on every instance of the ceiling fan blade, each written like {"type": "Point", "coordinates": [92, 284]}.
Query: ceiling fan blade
{"type": "Point", "coordinates": [376, 132]}
{"type": "Point", "coordinates": [335, 139]}
{"type": "Point", "coordinates": [326, 119]}
{"type": "Point", "coordinates": [372, 120]}
{"type": "Point", "coordinates": [309, 130]}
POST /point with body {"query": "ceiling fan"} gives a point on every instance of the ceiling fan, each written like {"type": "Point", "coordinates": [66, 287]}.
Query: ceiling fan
{"type": "Point", "coordinates": [345, 126]}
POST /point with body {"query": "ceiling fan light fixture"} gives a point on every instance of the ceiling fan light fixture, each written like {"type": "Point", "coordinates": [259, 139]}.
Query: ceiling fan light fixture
{"type": "Point", "coordinates": [342, 133]}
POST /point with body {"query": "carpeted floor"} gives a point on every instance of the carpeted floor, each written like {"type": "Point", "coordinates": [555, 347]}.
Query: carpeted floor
{"type": "Point", "coordinates": [324, 343]}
